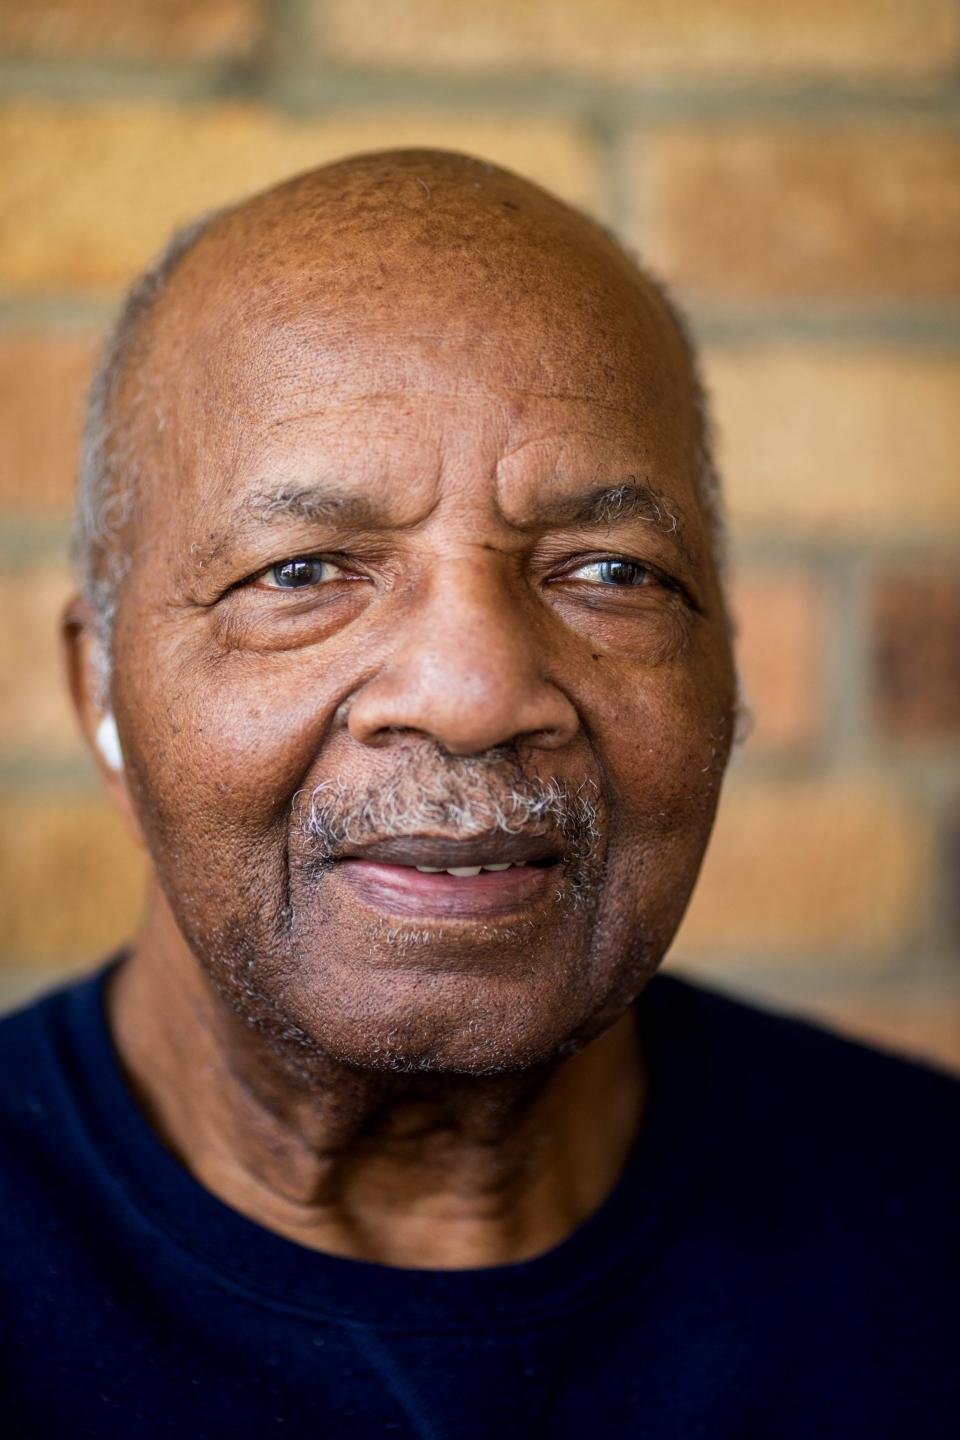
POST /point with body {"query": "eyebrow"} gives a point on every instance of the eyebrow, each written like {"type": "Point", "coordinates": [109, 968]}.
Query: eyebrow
{"type": "Point", "coordinates": [631, 499]}
{"type": "Point", "coordinates": [315, 503]}
{"type": "Point", "coordinates": [601, 506]}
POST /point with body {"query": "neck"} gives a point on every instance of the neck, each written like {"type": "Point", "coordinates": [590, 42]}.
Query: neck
{"type": "Point", "coordinates": [430, 1171]}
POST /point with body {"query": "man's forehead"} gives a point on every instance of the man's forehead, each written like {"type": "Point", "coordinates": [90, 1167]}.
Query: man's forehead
{"type": "Point", "coordinates": [287, 356]}
{"type": "Point", "coordinates": [519, 422]}
{"type": "Point", "coordinates": [400, 403]}
{"type": "Point", "coordinates": [607, 350]}
{"type": "Point", "coordinates": [401, 254]}
{"type": "Point", "coordinates": [401, 445]}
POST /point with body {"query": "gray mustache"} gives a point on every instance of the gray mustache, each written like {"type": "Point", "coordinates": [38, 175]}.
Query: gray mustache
{"type": "Point", "coordinates": [458, 799]}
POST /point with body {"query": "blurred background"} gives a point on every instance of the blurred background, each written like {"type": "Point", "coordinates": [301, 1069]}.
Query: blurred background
{"type": "Point", "coordinates": [792, 169]}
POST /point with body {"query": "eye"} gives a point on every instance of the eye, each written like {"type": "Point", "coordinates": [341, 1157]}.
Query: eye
{"type": "Point", "coordinates": [624, 574]}
{"type": "Point", "coordinates": [298, 572]}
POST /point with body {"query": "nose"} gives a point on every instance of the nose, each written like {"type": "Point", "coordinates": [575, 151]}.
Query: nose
{"type": "Point", "coordinates": [466, 670]}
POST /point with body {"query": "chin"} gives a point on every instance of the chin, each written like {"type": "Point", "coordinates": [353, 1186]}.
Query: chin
{"type": "Point", "coordinates": [442, 1023]}
{"type": "Point", "coordinates": [408, 998]}
{"type": "Point", "coordinates": [420, 1015]}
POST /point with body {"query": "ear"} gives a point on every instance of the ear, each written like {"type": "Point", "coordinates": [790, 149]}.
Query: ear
{"type": "Point", "coordinates": [86, 667]}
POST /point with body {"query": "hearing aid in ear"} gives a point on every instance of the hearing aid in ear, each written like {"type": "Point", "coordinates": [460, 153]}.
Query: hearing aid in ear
{"type": "Point", "coordinates": [108, 742]}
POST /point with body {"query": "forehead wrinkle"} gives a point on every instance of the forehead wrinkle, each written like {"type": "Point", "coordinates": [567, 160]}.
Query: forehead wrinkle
{"type": "Point", "coordinates": [585, 398]}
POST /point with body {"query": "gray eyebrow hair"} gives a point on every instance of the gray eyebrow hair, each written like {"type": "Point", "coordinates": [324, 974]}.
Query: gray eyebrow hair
{"type": "Point", "coordinates": [602, 506]}
{"type": "Point", "coordinates": [316, 503]}
{"type": "Point", "coordinates": [609, 504]}
{"type": "Point", "coordinates": [311, 502]}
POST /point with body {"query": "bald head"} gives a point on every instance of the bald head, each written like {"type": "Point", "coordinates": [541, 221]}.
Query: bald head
{"type": "Point", "coordinates": [405, 252]}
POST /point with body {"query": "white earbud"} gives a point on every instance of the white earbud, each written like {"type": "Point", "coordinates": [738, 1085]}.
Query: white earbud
{"type": "Point", "coordinates": [108, 742]}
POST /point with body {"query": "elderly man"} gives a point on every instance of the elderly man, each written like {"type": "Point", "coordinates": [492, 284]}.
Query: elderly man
{"type": "Point", "coordinates": [403, 648]}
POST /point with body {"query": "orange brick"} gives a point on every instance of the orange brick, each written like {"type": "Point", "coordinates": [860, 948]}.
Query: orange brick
{"type": "Point", "coordinates": [807, 869]}
{"type": "Point", "coordinates": [949, 869]}
{"type": "Point", "coordinates": [70, 877]}
{"type": "Point", "coordinates": [915, 652]}
{"type": "Point", "coordinates": [90, 191]}
{"type": "Point", "coordinates": [840, 440]}
{"type": "Point", "coordinates": [781, 625]}
{"type": "Point", "coordinates": [35, 713]}
{"type": "Point", "coordinates": [772, 211]}
{"type": "Point", "coordinates": [621, 39]}
{"type": "Point", "coordinates": [43, 382]}
{"type": "Point", "coordinates": [145, 29]}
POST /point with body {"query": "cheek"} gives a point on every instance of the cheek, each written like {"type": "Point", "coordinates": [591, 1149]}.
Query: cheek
{"type": "Point", "coordinates": [224, 744]}
{"type": "Point", "coordinates": [665, 747]}
{"type": "Point", "coordinates": [664, 757]}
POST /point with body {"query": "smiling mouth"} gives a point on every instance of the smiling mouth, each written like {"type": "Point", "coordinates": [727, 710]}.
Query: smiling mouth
{"type": "Point", "coordinates": [428, 877]}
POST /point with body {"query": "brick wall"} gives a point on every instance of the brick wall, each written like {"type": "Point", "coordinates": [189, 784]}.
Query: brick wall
{"type": "Point", "coordinates": [793, 168]}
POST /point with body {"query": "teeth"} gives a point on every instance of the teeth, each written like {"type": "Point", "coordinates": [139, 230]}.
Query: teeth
{"type": "Point", "coordinates": [464, 869]}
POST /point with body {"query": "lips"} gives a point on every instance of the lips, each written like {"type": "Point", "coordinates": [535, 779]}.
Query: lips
{"type": "Point", "coordinates": [434, 877]}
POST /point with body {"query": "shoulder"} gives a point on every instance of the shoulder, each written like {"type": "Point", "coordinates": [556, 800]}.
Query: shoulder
{"type": "Point", "coordinates": [25, 1050]}
{"type": "Point", "coordinates": [45, 1047]}
{"type": "Point", "coordinates": [804, 1061]}
{"type": "Point", "coordinates": [805, 1111]}
{"type": "Point", "coordinates": [819, 1215]}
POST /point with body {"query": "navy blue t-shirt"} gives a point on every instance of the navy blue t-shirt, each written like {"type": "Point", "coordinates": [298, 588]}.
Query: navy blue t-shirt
{"type": "Point", "coordinates": [779, 1259]}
